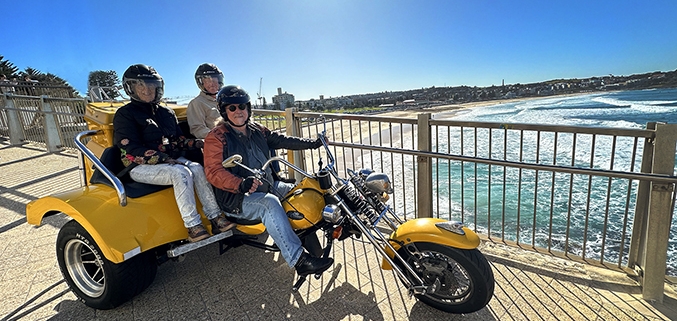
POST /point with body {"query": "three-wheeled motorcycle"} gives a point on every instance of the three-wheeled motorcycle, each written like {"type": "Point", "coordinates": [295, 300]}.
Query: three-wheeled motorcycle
{"type": "Point", "coordinates": [121, 230]}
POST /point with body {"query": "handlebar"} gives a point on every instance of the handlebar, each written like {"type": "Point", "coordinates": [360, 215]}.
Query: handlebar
{"type": "Point", "coordinates": [236, 160]}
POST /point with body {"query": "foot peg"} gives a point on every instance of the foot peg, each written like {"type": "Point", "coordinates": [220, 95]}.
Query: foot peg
{"type": "Point", "coordinates": [299, 283]}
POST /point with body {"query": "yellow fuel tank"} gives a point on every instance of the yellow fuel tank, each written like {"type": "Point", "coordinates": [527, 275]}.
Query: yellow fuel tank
{"type": "Point", "coordinates": [306, 198]}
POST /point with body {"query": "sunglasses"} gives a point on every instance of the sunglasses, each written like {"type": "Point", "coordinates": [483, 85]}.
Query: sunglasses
{"type": "Point", "coordinates": [237, 106]}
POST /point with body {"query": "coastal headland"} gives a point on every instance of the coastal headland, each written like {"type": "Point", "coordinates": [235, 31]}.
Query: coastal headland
{"type": "Point", "coordinates": [451, 109]}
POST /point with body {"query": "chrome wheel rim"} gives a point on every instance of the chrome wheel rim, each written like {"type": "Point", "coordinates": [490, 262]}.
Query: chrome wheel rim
{"type": "Point", "coordinates": [453, 284]}
{"type": "Point", "coordinates": [85, 268]}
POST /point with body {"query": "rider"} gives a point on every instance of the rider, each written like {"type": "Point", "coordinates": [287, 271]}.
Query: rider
{"type": "Point", "coordinates": [241, 194]}
{"type": "Point", "coordinates": [202, 111]}
{"type": "Point", "coordinates": [152, 146]}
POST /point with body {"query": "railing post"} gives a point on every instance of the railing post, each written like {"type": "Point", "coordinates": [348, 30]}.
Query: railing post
{"type": "Point", "coordinates": [636, 253]}
{"type": "Point", "coordinates": [52, 137]}
{"type": "Point", "coordinates": [293, 129]}
{"type": "Point", "coordinates": [658, 223]}
{"type": "Point", "coordinates": [424, 165]}
{"type": "Point", "coordinates": [16, 133]}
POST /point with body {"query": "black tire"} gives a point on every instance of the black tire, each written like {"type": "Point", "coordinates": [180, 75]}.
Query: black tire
{"type": "Point", "coordinates": [466, 281]}
{"type": "Point", "coordinates": [95, 280]}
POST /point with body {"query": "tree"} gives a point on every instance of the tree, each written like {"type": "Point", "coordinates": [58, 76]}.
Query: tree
{"type": "Point", "coordinates": [107, 80]}
{"type": "Point", "coordinates": [34, 74]}
{"type": "Point", "coordinates": [50, 80]}
{"type": "Point", "coordinates": [7, 68]}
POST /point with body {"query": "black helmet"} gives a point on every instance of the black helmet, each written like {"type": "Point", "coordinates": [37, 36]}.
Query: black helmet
{"type": "Point", "coordinates": [208, 70]}
{"type": "Point", "coordinates": [146, 75]}
{"type": "Point", "coordinates": [233, 94]}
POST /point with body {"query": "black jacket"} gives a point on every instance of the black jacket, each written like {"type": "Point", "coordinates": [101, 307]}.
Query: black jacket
{"type": "Point", "coordinates": [148, 134]}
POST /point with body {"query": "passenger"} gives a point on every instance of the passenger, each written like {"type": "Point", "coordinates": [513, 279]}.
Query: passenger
{"type": "Point", "coordinates": [202, 112]}
{"type": "Point", "coordinates": [152, 145]}
{"type": "Point", "coordinates": [242, 195]}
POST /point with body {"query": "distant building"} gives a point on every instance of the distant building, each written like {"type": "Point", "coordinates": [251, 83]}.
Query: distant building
{"type": "Point", "coordinates": [328, 103]}
{"type": "Point", "coordinates": [283, 100]}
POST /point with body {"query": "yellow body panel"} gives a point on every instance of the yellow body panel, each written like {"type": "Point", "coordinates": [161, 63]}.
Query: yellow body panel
{"type": "Point", "coordinates": [310, 203]}
{"type": "Point", "coordinates": [424, 230]}
{"type": "Point", "coordinates": [145, 222]}
{"type": "Point", "coordinates": [255, 229]}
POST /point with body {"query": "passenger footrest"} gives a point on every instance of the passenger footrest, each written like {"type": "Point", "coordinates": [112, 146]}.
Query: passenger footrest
{"type": "Point", "coordinates": [185, 248]}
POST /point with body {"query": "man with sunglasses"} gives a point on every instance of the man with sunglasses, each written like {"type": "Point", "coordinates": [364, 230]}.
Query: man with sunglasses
{"type": "Point", "coordinates": [202, 112]}
{"type": "Point", "coordinates": [238, 192]}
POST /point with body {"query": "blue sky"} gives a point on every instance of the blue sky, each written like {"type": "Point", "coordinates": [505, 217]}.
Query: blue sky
{"type": "Point", "coordinates": [342, 47]}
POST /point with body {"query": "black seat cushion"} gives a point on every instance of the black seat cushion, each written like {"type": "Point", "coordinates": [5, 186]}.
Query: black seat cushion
{"type": "Point", "coordinates": [185, 129]}
{"type": "Point", "coordinates": [111, 160]}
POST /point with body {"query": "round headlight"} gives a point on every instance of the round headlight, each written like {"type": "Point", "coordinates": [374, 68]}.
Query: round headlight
{"type": "Point", "coordinates": [379, 183]}
{"type": "Point", "coordinates": [331, 213]}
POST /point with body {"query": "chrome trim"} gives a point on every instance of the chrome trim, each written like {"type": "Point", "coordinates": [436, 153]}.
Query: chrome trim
{"type": "Point", "coordinates": [185, 248]}
{"type": "Point", "coordinates": [331, 213]}
{"type": "Point", "coordinates": [117, 184]}
{"type": "Point", "coordinates": [131, 253]}
{"type": "Point", "coordinates": [379, 183]}
{"type": "Point", "coordinates": [452, 226]}
{"type": "Point", "coordinates": [284, 161]}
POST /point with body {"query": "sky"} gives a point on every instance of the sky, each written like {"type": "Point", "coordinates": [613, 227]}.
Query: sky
{"type": "Point", "coordinates": [342, 47]}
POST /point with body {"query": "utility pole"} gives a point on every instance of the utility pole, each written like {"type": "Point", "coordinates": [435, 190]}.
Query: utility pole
{"type": "Point", "coordinates": [260, 98]}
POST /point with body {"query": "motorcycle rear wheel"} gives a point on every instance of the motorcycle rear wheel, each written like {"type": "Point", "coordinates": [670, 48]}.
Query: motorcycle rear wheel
{"type": "Point", "coordinates": [466, 281]}
{"type": "Point", "coordinates": [96, 281]}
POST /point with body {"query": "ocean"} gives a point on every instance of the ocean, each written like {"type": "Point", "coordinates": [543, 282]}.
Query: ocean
{"type": "Point", "coordinates": [621, 109]}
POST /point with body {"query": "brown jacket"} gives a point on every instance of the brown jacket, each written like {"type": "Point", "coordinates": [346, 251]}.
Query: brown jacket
{"type": "Point", "coordinates": [221, 143]}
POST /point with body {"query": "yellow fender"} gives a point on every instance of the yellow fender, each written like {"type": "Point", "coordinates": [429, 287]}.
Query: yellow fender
{"type": "Point", "coordinates": [424, 230]}
{"type": "Point", "coordinates": [120, 232]}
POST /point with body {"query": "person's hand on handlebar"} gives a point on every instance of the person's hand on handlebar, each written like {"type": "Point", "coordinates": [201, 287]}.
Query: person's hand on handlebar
{"type": "Point", "coordinates": [249, 185]}
{"type": "Point", "coordinates": [317, 143]}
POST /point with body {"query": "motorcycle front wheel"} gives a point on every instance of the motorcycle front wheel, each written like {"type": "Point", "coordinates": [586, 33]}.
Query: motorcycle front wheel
{"type": "Point", "coordinates": [463, 279]}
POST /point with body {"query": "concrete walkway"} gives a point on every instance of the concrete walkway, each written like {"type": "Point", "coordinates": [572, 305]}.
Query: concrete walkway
{"type": "Point", "coordinates": [251, 284]}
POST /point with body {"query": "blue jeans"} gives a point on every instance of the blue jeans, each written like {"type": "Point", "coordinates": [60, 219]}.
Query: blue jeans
{"type": "Point", "coordinates": [184, 178]}
{"type": "Point", "coordinates": [267, 208]}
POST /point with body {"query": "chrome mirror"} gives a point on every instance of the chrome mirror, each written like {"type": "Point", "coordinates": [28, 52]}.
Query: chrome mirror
{"type": "Point", "coordinates": [231, 161]}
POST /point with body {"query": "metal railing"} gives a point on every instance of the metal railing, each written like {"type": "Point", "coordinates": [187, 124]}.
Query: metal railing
{"type": "Point", "coordinates": [50, 121]}
{"type": "Point", "coordinates": [602, 196]}
{"type": "Point", "coordinates": [36, 89]}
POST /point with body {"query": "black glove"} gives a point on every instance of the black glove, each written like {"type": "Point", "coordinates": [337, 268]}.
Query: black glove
{"type": "Point", "coordinates": [317, 143]}
{"type": "Point", "coordinates": [246, 184]}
